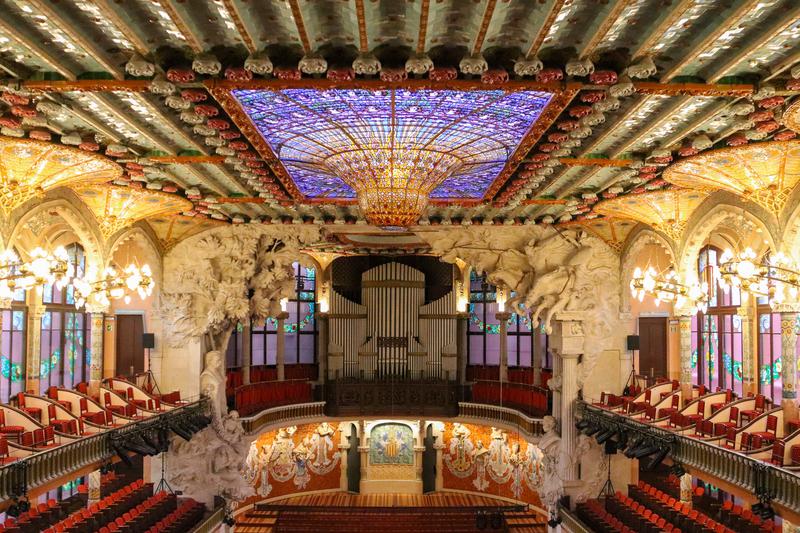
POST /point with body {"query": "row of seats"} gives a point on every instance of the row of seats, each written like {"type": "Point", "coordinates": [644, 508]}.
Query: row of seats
{"type": "Point", "coordinates": [593, 514]}
{"type": "Point", "coordinates": [672, 509]}
{"type": "Point", "coordinates": [527, 398]}
{"type": "Point", "coordinates": [182, 519]}
{"type": "Point", "coordinates": [256, 397]}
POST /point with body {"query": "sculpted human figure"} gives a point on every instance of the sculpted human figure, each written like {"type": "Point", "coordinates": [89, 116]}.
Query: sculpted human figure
{"type": "Point", "coordinates": [212, 383]}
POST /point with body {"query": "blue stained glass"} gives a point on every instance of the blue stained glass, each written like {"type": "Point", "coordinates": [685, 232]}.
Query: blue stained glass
{"type": "Point", "coordinates": [306, 126]}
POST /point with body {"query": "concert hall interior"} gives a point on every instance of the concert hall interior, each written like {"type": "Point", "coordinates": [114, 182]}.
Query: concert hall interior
{"type": "Point", "coordinates": [399, 266]}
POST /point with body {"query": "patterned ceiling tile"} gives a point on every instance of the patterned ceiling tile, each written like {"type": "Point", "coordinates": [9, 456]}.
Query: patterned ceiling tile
{"type": "Point", "coordinates": [454, 22]}
{"type": "Point", "coordinates": [395, 23]}
{"type": "Point", "coordinates": [514, 24]}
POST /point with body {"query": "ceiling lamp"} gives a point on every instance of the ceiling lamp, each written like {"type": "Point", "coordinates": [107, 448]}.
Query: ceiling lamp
{"type": "Point", "coordinates": [43, 268]}
{"type": "Point", "coordinates": [668, 288]}
{"type": "Point", "coordinates": [764, 173]}
{"type": "Point", "coordinates": [117, 207]}
{"type": "Point", "coordinates": [774, 277]}
{"type": "Point", "coordinates": [98, 292]}
{"type": "Point", "coordinates": [393, 182]}
{"type": "Point", "coordinates": [30, 167]}
{"type": "Point", "coordinates": [666, 210]}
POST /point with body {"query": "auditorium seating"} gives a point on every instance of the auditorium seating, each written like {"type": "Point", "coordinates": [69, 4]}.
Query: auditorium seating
{"type": "Point", "coordinates": [255, 397]}
{"type": "Point", "coordinates": [526, 398]}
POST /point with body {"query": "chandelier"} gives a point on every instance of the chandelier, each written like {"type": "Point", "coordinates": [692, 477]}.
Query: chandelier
{"type": "Point", "coordinates": [668, 288]}
{"type": "Point", "coordinates": [30, 167]}
{"type": "Point", "coordinates": [117, 207]}
{"type": "Point", "coordinates": [43, 268]}
{"type": "Point", "coordinates": [771, 278]}
{"type": "Point", "coordinates": [393, 183]}
{"type": "Point", "coordinates": [99, 291]}
{"type": "Point", "coordinates": [667, 210]}
{"type": "Point", "coordinates": [765, 173]}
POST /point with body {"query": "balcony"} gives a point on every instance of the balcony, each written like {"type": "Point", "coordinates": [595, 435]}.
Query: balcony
{"type": "Point", "coordinates": [780, 485]}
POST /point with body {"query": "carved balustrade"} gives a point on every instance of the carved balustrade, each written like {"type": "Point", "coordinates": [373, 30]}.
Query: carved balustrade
{"type": "Point", "coordinates": [501, 416]}
{"type": "Point", "coordinates": [283, 415]}
{"type": "Point", "coordinates": [780, 485]}
{"type": "Point", "coordinates": [49, 465]}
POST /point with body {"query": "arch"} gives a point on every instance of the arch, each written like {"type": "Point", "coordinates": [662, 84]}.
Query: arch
{"type": "Point", "coordinates": [146, 241]}
{"type": "Point", "coordinates": [790, 236]}
{"type": "Point", "coordinates": [641, 237]}
{"type": "Point", "coordinates": [718, 211]}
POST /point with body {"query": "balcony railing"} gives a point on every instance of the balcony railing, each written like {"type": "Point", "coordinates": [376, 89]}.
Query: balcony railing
{"type": "Point", "coordinates": [284, 414]}
{"type": "Point", "coordinates": [46, 466]}
{"type": "Point", "coordinates": [781, 486]}
{"type": "Point", "coordinates": [483, 413]}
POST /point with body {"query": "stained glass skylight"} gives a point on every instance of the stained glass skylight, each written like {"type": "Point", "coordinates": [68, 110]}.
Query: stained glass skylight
{"type": "Point", "coordinates": [308, 128]}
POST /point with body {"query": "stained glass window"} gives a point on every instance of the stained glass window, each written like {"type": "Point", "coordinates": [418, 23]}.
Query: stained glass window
{"type": "Point", "coordinates": [770, 381]}
{"type": "Point", "coordinates": [305, 127]}
{"type": "Point", "coordinates": [717, 347]}
{"type": "Point", "coordinates": [65, 345]}
{"type": "Point", "coordinates": [12, 353]}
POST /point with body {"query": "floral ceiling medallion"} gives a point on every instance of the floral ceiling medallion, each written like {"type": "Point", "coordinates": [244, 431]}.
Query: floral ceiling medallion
{"type": "Point", "coordinates": [28, 168]}
{"type": "Point", "coordinates": [666, 210]}
{"type": "Point", "coordinates": [764, 173]}
{"type": "Point", "coordinates": [118, 207]}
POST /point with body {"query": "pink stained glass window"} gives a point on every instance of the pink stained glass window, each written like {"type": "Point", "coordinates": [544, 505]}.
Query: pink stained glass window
{"type": "Point", "coordinates": [12, 353]}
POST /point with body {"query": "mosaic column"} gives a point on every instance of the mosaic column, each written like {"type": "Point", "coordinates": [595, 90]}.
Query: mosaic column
{"type": "Point", "coordinates": [93, 486]}
{"type": "Point", "coordinates": [686, 489]}
{"type": "Point", "coordinates": [749, 383]}
{"type": "Point", "coordinates": [97, 319]}
{"type": "Point", "coordinates": [537, 356]}
{"type": "Point", "coordinates": [34, 330]}
{"type": "Point", "coordinates": [247, 356]}
{"type": "Point", "coordinates": [685, 336]}
{"type": "Point", "coordinates": [280, 356]}
{"type": "Point", "coordinates": [503, 318]}
{"type": "Point", "coordinates": [789, 363]}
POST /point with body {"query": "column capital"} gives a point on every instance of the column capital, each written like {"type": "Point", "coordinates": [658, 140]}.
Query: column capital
{"type": "Point", "coordinates": [502, 316]}
{"type": "Point", "coordinates": [745, 311]}
{"type": "Point", "coordinates": [570, 316]}
{"type": "Point", "coordinates": [283, 315]}
{"type": "Point", "coordinates": [786, 308]}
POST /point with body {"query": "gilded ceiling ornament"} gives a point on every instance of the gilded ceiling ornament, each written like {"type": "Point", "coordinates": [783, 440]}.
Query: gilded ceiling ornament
{"type": "Point", "coordinates": [579, 67]}
{"type": "Point", "coordinates": [473, 65]}
{"type": "Point", "coordinates": [176, 102]}
{"type": "Point", "coordinates": [12, 132]}
{"type": "Point", "coordinates": [31, 167]}
{"type": "Point", "coordinates": [366, 64]}
{"type": "Point", "coordinates": [312, 64]}
{"type": "Point", "coordinates": [764, 173]}
{"type": "Point", "coordinates": [207, 64]}
{"type": "Point", "coordinates": [608, 104]}
{"type": "Point", "coordinates": [702, 142]}
{"type": "Point", "coordinates": [624, 87]}
{"type": "Point", "coordinates": [643, 69]}
{"type": "Point", "coordinates": [666, 210]}
{"type": "Point", "coordinates": [119, 207]}
{"type": "Point", "coordinates": [765, 91]}
{"type": "Point", "coordinates": [161, 86]}
{"type": "Point", "coordinates": [139, 67]}
{"type": "Point", "coordinates": [419, 65]}
{"type": "Point", "coordinates": [258, 64]}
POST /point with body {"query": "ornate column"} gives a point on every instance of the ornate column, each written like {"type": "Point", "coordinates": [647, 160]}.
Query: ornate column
{"type": "Point", "coordinates": [34, 332]}
{"type": "Point", "coordinates": [567, 339]}
{"type": "Point", "coordinates": [503, 318]}
{"type": "Point", "coordinates": [789, 361]}
{"type": "Point", "coordinates": [247, 356]}
{"type": "Point", "coordinates": [98, 319]}
{"type": "Point", "coordinates": [537, 356]}
{"type": "Point", "coordinates": [686, 489]}
{"type": "Point", "coordinates": [747, 315]}
{"type": "Point", "coordinates": [280, 348]}
{"type": "Point", "coordinates": [93, 484]}
{"type": "Point", "coordinates": [462, 322]}
{"type": "Point", "coordinates": [322, 348]}
{"type": "Point", "coordinates": [685, 335]}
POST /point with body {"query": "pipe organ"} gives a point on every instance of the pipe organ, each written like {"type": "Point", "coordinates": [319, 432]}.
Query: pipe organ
{"type": "Point", "coordinates": [392, 333]}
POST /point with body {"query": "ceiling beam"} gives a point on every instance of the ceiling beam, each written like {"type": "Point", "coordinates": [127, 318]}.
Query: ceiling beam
{"type": "Point", "coordinates": [776, 29]}
{"type": "Point", "coordinates": [485, 21]}
{"type": "Point", "coordinates": [422, 36]}
{"type": "Point", "coordinates": [297, 15]}
{"type": "Point", "coordinates": [88, 46]}
{"type": "Point", "coordinates": [189, 159]}
{"type": "Point", "coordinates": [236, 16]}
{"type": "Point", "coordinates": [361, 18]}
{"type": "Point", "coordinates": [42, 53]}
{"type": "Point", "coordinates": [708, 41]}
{"type": "Point", "coordinates": [114, 16]}
{"type": "Point", "coordinates": [606, 24]}
{"type": "Point", "coordinates": [654, 36]}
{"type": "Point", "coordinates": [541, 34]}
{"type": "Point", "coordinates": [183, 26]}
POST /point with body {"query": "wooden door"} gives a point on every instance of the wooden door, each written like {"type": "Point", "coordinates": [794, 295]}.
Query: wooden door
{"type": "Point", "coordinates": [429, 462]}
{"type": "Point", "coordinates": [653, 346]}
{"type": "Point", "coordinates": [130, 352]}
{"type": "Point", "coordinates": [353, 462]}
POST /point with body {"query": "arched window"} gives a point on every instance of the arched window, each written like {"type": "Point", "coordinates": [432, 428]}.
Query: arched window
{"type": "Point", "coordinates": [13, 347]}
{"type": "Point", "coordinates": [65, 332]}
{"type": "Point", "coordinates": [484, 329]}
{"type": "Point", "coordinates": [717, 334]}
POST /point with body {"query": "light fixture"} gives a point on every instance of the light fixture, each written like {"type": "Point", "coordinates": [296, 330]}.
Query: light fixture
{"type": "Point", "coordinates": [32, 167]}
{"type": "Point", "coordinates": [43, 268]}
{"type": "Point", "coordinates": [775, 278]}
{"type": "Point", "coordinates": [117, 207]}
{"type": "Point", "coordinates": [666, 210]}
{"type": "Point", "coordinates": [765, 173]}
{"type": "Point", "coordinates": [98, 291]}
{"type": "Point", "coordinates": [667, 287]}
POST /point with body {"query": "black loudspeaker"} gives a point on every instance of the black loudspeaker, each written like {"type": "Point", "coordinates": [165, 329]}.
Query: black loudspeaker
{"type": "Point", "coordinates": [610, 447]}
{"type": "Point", "coordinates": [149, 340]}
{"type": "Point", "coordinates": [633, 342]}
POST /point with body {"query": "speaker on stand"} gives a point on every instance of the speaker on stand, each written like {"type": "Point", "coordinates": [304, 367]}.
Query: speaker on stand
{"type": "Point", "coordinates": [632, 343]}
{"type": "Point", "coordinates": [149, 384]}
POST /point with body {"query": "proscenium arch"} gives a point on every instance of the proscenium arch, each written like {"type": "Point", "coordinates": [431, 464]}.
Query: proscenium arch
{"type": "Point", "coordinates": [708, 218]}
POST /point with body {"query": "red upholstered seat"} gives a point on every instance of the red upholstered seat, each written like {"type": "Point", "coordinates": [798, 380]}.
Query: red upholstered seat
{"type": "Point", "coordinates": [749, 414]}
{"type": "Point", "coordinates": [13, 431]}
{"type": "Point", "coordinates": [794, 454]}
{"type": "Point", "coordinates": [733, 419]}
{"type": "Point", "coordinates": [719, 405]}
{"type": "Point", "coordinates": [701, 409]}
{"type": "Point", "coordinates": [666, 411]}
{"type": "Point", "coordinates": [778, 449]}
{"type": "Point", "coordinates": [5, 458]}
{"type": "Point", "coordinates": [35, 412]}
{"type": "Point", "coordinates": [769, 435]}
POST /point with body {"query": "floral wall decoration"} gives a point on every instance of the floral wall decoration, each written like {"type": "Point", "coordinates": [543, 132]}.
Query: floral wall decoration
{"type": "Point", "coordinates": [492, 461]}
{"type": "Point", "coordinates": [294, 459]}
{"type": "Point", "coordinates": [391, 444]}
